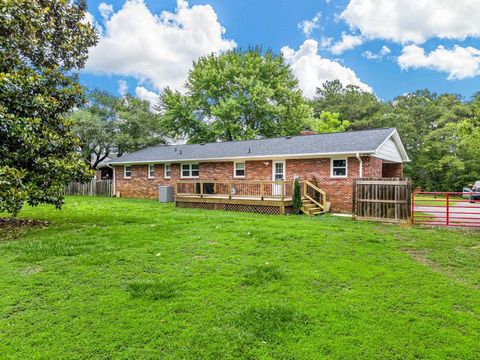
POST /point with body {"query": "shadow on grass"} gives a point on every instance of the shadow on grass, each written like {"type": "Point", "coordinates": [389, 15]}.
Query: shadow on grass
{"type": "Point", "coordinates": [262, 274]}
{"type": "Point", "coordinates": [267, 323]}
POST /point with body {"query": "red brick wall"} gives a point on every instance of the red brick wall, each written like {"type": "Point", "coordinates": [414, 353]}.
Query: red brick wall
{"type": "Point", "coordinates": [339, 190]}
{"type": "Point", "coordinates": [392, 170]}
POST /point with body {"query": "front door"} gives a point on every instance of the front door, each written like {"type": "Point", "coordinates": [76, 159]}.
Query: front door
{"type": "Point", "coordinates": [278, 174]}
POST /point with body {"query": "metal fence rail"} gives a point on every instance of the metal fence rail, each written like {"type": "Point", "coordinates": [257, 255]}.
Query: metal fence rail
{"type": "Point", "coordinates": [92, 188]}
{"type": "Point", "coordinates": [445, 209]}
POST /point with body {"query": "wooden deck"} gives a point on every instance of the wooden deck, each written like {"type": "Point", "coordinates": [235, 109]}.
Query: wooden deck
{"type": "Point", "coordinates": [265, 197]}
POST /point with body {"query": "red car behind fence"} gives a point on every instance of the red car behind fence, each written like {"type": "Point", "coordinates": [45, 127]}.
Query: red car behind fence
{"type": "Point", "coordinates": [445, 209]}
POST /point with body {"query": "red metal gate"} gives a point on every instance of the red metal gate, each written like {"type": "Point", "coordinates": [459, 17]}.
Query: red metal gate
{"type": "Point", "coordinates": [445, 209]}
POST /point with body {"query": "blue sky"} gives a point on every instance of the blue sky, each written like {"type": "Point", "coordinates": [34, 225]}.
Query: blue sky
{"type": "Point", "coordinates": [434, 46]}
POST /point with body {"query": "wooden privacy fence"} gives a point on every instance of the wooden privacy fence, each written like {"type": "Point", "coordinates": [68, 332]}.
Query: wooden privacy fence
{"type": "Point", "coordinates": [92, 188]}
{"type": "Point", "coordinates": [385, 199]}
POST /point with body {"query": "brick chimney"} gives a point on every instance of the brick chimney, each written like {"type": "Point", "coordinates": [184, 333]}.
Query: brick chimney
{"type": "Point", "coordinates": [308, 132]}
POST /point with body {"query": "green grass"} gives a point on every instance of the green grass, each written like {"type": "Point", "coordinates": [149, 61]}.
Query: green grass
{"type": "Point", "coordinates": [134, 279]}
{"type": "Point", "coordinates": [440, 200]}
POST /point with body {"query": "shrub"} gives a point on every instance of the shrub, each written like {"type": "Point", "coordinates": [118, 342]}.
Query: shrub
{"type": "Point", "coordinates": [297, 197]}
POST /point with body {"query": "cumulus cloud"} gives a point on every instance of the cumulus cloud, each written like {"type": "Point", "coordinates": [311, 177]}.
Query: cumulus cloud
{"type": "Point", "coordinates": [158, 49]}
{"type": "Point", "coordinates": [307, 26]}
{"type": "Point", "coordinates": [347, 42]}
{"type": "Point", "coordinates": [384, 51]}
{"type": "Point", "coordinates": [413, 21]}
{"type": "Point", "coordinates": [312, 70]}
{"type": "Point", "coordinates": [122, 87]}
{"type": "Point", "coordinates": [144, 94]}
{"type": "Point", "coordinates": [459, 62]}
{"type": "Point", "coordinates": [105, 10]}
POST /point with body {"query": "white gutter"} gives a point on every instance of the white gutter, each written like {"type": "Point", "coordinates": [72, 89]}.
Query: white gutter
{"type": "Point", "coordinates": [113, 187]}
{"type": "Point", "coordinates": [361, 164]}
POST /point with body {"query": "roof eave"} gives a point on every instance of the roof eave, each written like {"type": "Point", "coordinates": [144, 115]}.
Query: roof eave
{"type": "Point", "coordinates": [259, 158]}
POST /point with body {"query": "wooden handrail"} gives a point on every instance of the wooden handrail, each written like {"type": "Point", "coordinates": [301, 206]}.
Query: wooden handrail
{"type": "Point", "coordinates": [323, 205]}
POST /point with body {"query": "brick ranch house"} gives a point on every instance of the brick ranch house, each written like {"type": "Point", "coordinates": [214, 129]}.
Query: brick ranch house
{"type": "Point", "coordinates": [331, 160]}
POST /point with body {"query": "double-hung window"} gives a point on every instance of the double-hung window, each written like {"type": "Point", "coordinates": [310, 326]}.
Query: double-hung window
{"type": "Point", "coordinates": [127, 171]}
{"type": "Point", "coordinates": [338, 168]}
{"type": "Point", "coordinates": [168, 172]}
{"type": "Point", "coordinates": [151, 171]}
{"type": "Point", "coordinates": [239, 170]}
{"type": "Point", "coordinates": [190, 171]}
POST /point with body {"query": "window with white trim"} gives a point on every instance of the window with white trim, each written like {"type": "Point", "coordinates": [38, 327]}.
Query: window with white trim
{"type": "Point", "coordinates": [190, 170]}
{"type": "Point", "coordinates": [151, 171]}
{"type": "Point", "coordinates": [168, 172]}
{"type": "Point", "coordinates": [127, 171]}
{"type": "Point", "coordinates": [239, 170]}
{"type": "Point", "coordinates": [338, 168]}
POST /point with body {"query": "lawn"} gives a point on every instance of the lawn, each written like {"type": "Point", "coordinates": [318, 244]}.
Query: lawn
{"type": "Point", "coordinates": [135, 279]}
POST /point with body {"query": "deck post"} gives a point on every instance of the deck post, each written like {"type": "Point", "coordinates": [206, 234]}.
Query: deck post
{"type": "Point", "coordinates": [229, 190]}
{"type": "Point", "coordinates": [201, 189]}
{"type": "Point", "coordinates": [261, 190]}
{"type": "Point", "coordinates": [283, 191]}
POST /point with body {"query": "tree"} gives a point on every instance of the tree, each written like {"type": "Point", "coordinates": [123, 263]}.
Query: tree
{"type": "Point", "coordinates": [109, 126]}
{"type": "Point", "coordinates": [351, 102]}
{"type": "Point", "coordinates": [328, 123]}
{"type": "Point", "coordinates": [236, 96]}
{"type": "Point", "coordinates": [43, 43]}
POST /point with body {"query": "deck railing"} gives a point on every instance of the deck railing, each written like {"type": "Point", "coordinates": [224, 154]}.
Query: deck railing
{"type": "Point", "coordinates": [279, 190]}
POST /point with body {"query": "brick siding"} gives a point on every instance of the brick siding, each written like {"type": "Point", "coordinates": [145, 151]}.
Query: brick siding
{"type": "Point", "coordinates": [339, 190]}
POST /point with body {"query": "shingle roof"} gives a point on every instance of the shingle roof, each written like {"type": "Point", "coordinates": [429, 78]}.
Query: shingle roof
{"type": "Point", "coordinates": [365, 141]}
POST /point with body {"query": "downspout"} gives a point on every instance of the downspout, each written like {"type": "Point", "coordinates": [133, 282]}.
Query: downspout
{"type": "Point", "coordinates": [361, 164]}
{"type": "Point", "coordinates": [114, 182]}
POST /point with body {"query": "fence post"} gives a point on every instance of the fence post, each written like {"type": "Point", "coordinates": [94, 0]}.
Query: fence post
{"type": "Point", "coordinates": [413, 207]}
{"type": "Point", "coordinates": [447, 210]}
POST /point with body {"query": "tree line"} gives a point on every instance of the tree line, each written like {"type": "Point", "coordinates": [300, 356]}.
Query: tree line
{"type": "Point", "coordinates": [51, 133]}
{"type": "Point", "coordinates": [247, 95]}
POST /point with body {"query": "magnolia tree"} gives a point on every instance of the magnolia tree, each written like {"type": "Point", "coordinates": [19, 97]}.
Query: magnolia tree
{"type": "Point", "coordinates": [43, 43]}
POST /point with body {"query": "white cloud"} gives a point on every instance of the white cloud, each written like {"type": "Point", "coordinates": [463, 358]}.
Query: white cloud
{"type": "Point", "coordinates": [414, 21]}
{"type": "Point", "coordinates": [347, 42]}
{"type": "Point", "coordinates": [144, 94]}
{"type": "Point", "coordinates": [312, 70]}
{"type": "Point", "coordinates": [157, 49]}
{"type": "Point", "coordinates": [307, 26]}
{"type": "Point", "coordinates": [105, 10]}
{"type": "Point", "coordinates": [122, 87]}
{"type": "Point", "coordinates": [459, 62]}
{"type": "Point", "coordinates": [384, 51]}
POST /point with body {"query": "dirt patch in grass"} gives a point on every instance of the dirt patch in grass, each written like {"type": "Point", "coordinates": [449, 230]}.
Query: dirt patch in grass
{"type": "Point", "coordinates": [421, 256]}
{"type": "Point", "coordinates": [12, 228]}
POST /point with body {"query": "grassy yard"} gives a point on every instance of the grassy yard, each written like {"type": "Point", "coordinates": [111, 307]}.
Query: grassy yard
{"type": "Point", "coordinates": [134, 279]}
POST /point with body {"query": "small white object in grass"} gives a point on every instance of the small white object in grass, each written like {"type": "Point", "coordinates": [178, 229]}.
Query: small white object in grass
{"type": "Point", "coordinates": [158, 254]}
{"type": "Point", "coordinates": [248, 233]}
{"type": "Point", "coordinates": [217, 227]}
